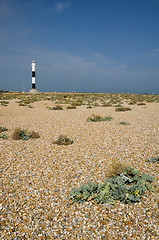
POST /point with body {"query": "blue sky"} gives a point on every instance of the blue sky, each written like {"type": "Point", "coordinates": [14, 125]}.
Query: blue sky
{"type": "Point", "coordinates": [80, 45]}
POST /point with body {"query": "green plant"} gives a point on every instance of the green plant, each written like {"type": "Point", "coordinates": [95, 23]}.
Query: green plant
{"type": "Point", "coordinates": [3, 136]}
{"type": "Point", "coordinates": [107, 118]}
{"type": "Point", "coordinates": [63, 140]}
{"type": "Point", "coordinates": [2, 129]}
{"type": "Point", "coordinates": [128, 186]}
{"type": "Point", "coordinates": [124, 123]}
{"type": "Point", "coordinates": [97, 118]}
{"type": "Point", "coordinates": [153, 159]}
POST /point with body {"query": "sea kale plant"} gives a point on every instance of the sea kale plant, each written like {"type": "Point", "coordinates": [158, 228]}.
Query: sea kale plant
{"type": "Point", "coordinates": [3, 136]}
{"type": "Point", "coordinates": [153, 159]}
{"type": "Point", "coordinates": [2, 129]}
{"type": "Point", "coordinates": [127, 187]}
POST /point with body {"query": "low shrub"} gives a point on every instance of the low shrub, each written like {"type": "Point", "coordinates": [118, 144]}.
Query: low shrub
{"type": "Point", "coordinates": [63, 140]}
{"type": "Point", "coordinates": [97, 118]}
{"type": "Point", "coordinates": [89, 106]}
{"type": "Point", "coordinates": [34, 134]}
{"type": "Point", "coordinates": [141, 104]}
{"type": "Point", "coordinates": [4, 103]}
{"type": "Point", "coordinates": [21, 104]}
{"type": "Point", "coordinates": [122, 109]}
{"type": "Point", "coordinates": [124, 123]}
{"type": "Point", "coordinates": [132, 102]}
{"type": "Point", "coordinates": [128, 187]}
{"type": "Point", "coordinates": [71, 107]}
{"type": "Point", "coordinates": [57, 107]}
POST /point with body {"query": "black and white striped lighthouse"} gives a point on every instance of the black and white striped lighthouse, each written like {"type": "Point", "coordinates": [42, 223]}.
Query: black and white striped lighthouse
{"type": "Point", "coordinates": [33, 90]}
{"type": "Point", "coordinates": [33, 74]}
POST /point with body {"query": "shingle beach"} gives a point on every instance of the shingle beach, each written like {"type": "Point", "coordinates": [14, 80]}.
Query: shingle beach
{"type": "Point", "coordinates": [36, 175]}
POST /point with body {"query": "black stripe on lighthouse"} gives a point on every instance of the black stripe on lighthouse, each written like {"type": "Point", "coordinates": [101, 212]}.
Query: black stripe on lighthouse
{"type": "Point", "coordinates": [33, 85]}
{"type": "Point", "coordinates": [33, 74]}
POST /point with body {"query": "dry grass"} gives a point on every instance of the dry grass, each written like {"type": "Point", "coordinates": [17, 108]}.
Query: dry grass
{"type": "Point", "coordinates": [16, 134]}
{"type": "Point", "coordinates": [116, 168]}
{"type": "Point", "coordinates": [34, 134]}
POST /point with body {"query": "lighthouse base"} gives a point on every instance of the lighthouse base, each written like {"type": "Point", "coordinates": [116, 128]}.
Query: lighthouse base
{"type": "Point", "coordinates": [34, 91]}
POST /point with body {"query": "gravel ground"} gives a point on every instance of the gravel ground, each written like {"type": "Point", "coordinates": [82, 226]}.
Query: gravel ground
{"type": "Point", "coordinates": [37, 175]}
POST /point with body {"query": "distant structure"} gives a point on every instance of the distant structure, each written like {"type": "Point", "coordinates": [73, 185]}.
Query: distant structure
{"type": "Point", "coordinates": [33, 90]}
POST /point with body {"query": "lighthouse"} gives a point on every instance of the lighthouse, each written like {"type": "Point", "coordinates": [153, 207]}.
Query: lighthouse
{"type": "Point", "coordinates": [33, 74]}
{"type": "Point", "coordinates": [33, 90]}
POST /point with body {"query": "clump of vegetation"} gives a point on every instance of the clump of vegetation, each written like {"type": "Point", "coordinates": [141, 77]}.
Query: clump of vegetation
{"type": "Point", "coordinates": [71, 107]}
{"type": "Point", "coordinates": [106, 105]}
{"type": "Point", "coordinates": [127, 186]}
{"type": "Point", "coordinates": [97, 118]}
{"type": "Point", "coordinates": [21, 104]}
{"type": "Point", "coordinates": [122, 109]}
{"type": "Point", "coordinates": [89, 106]}
{"type": "Point", "coordinates": [63, 140]}
{"type": "Point", "coordinates": [2, 129]}
{"type": "Point", "coordinates": [116, 168]}
{"type": "Point", "coordinates": [4, 103]}
{"type": "Point", "coordinates": [153, 159]}
{"type": "Point", "coordinates": [3, 136]}
{"type": "Point", "coordinates": [124, 123]}
{"type": "Point", "coordinates": [34, 134]}
{"type": "Point", "coordinates": [57, 107]}
{"type": "Point", "coordinates": [132, 103]}
{"type": "Point", "coordinates": [20, 134]}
